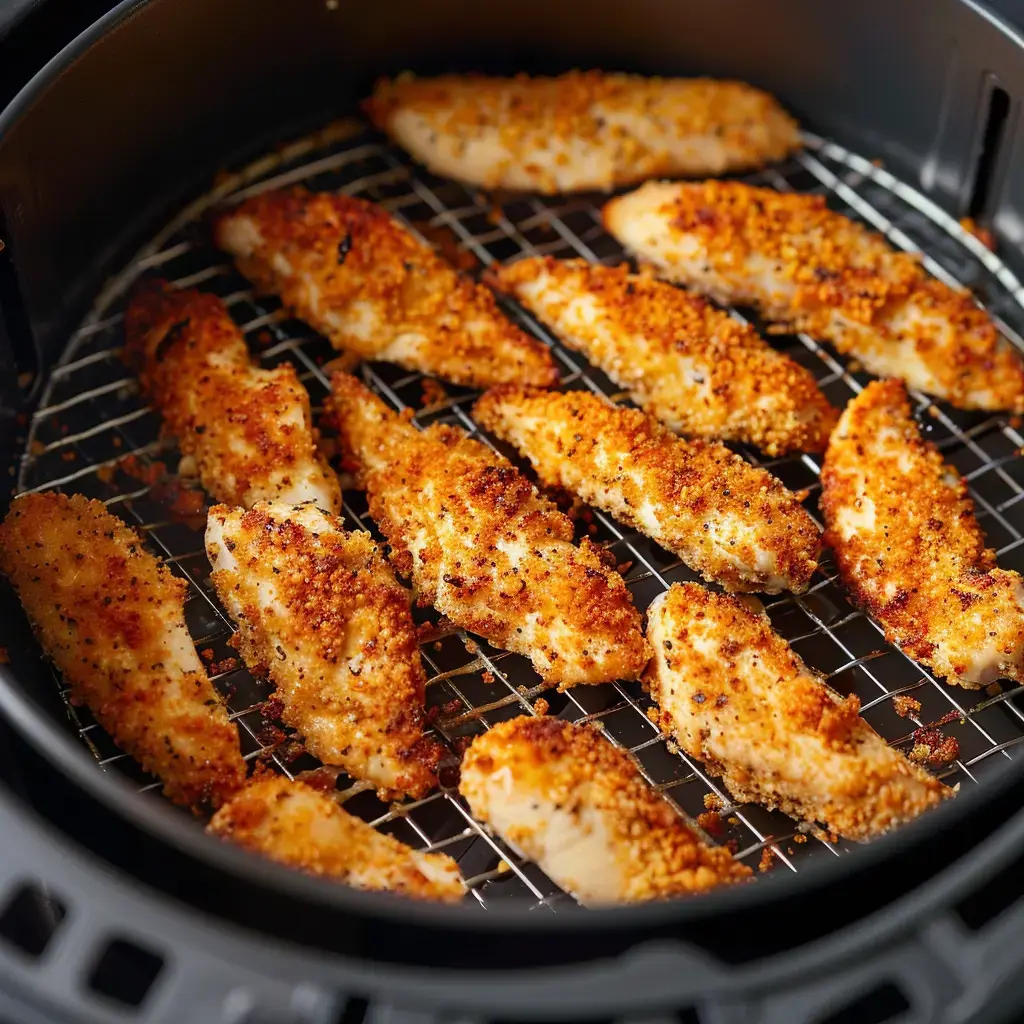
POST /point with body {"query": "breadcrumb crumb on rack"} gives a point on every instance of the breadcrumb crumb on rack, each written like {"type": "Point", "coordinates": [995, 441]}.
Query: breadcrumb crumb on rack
{"type": "Point", "coordinates": [584, 130]}
{"type": "Point", "coordinates": [578, 806]}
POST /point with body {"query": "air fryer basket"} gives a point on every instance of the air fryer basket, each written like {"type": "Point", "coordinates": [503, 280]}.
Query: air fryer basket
{"type": "Point", "coordinates": [121, 136]}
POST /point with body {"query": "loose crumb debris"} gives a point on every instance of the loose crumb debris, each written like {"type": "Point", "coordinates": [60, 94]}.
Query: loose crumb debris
{"type": "Point", "coordinates": [713, 802]}
{"type": "Point", "coordinates": [541, 707]}
{"type": "Point", "coordinates": [905, 706]}
{"type": "Point", "coordinates": [767, 861]}
{"type": "Point", "coordinates": [711, 822]}
{"type": "Point", "coordinates": [983, 235]}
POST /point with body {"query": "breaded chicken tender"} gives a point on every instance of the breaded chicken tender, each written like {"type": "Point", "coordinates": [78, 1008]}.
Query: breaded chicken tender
{"type": "Point", "coordinates": [910, 550]}
{"type": "Point", "coordinates": [697, 369]}
{"type": "Point", "coordinates": [581, 130]}
{"type": "Point", "coordinates": [111, 616]}
{"type": "Point", "coordinates": [575, 804]}
{"type": "Point", "coordinates": [485, 549]}
{"type": "Point", "coordinates": [735, 524]}
{"type": "Point", "coordinates": [809, 269]}
{"type": "Point", "coordinates": [298, 826]}
{"type": "Point", "coordinates": [249, 429]}
{"type": "Point", "coordinates": [319, 610]}
{"type": "Point", "coordinates": [736, 696]}
{"type": "Point", "coordinates": [351, 271]}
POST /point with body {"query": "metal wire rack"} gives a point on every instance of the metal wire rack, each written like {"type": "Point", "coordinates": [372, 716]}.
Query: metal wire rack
{"type": "Point", "coordinates": [93, 434]}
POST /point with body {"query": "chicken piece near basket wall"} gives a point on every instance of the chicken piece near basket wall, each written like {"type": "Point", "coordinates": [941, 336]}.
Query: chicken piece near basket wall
{"type": "Point", "coordinates": [577, 805]}
{"type": "Point", "coordinates": [697, 369]}
{"type": "Point", "coordinates": [909, 548]}
{"type": "Point", "coordinates": [581, 130]}
{"type": "Point", "coordinates": [305, 829]}
{"type": "Point", "coordinates": [810, 269]}
{"type": "Point", "coordinates": [319, 610]}
{"type": "Point", "coordinates": [111, 617]}
{"type": "Point", "coordinates": [737, 697]}
{"type": "Point", "coordinates": [735, 524]}
{"type": "Point", "coordinates": [249, 429]}
{"type": "Point", "coordinates": [483, 547]}
{"type": "Point", "coordinates": [354, 273]}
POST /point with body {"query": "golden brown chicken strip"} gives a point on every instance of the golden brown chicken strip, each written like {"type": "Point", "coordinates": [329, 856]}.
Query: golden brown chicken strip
{"type": "Point", "coordinates": [909, 548]}
{"type": "Point", "coordinates": [111, 617]}
{"type": "Point", "coordinates": [349, 269]}
{"type": "Point", "coordinates": [485, 549]}
{"type": "Point", "coordinates": [735, 524]}
{"type": "Point", "coordinates": [810, 269]}
{"type": "Point", "coordinates": [296, 825]}
{"type": "Point", "coordinates": [568, 799]}
{"type": "Point", "coordinates": [582, 130]}
{"type": "Point", "coordinates": [736, 696]}
{"type": "Point", "coordinates": [697, 369]}
{"type": "Point", "coordinates": [249, 429]}
{"type": "Point", "coordinates": [319, 610]}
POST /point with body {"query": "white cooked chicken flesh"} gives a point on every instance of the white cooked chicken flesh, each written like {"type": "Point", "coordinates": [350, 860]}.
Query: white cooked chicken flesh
{"type": "Point", "coordinates": [694, 367]}
{"type": "Point", "coordinates": [581, 130]}
{"type": "Point", "coordinates": [351, 271]}
{"type": "Point", "coordinates": [484, 548]}
{"type": "Point", "coordinates": [248, 429]}
{"type": "Point", "coordinates": [569, 800]}
{"type": "Point", "coordinates": [296, 825]}
{"type": "Point", "coordinates": [809, 269]}
{"type": "Point", "coordinates": [736, 696]}
{"type": "Point", "coordinates": [735, 524]}
{"type": "Point", "coordinates": [112, 619]}
{"type": "Point", "coordinates": [909, 548]}
{"type": "Point", "coordinates": [319, 610]}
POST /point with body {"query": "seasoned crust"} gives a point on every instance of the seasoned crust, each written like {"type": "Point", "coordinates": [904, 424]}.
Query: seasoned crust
{"type": "Point", "coordinates": [319, 610]}
{"type": "Point", "coordinates": [581, 130]}
{"type": "Point", "coordinates": [484, 548]}
{"type": "Point", "coordinates": [578, 806]}
{"type": "Point", "coordinates": [111, 618]}
{"type": "Point", "coordinates": [737, 697]}
{"type": "Point", "coordinates": [814, 270]}
{"type": "Point", "coordinates": [296, 825]}
{"type": "Point", "coordinates": [697, 369]}
{"type": "Point", "coordinates": [354, 273]}
{"type": "Point", "coordinates": [909, 548]}
{"type": "Point", "coordinates": [249, 429]}
{"type": "Point", "coordinates": [733, 523]}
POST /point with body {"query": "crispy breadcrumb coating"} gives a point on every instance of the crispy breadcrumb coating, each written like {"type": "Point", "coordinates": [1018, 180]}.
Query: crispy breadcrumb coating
{"type": "Point", "coordinates": [319, 611]}
{"type": "Point", "coordinates": [111, 616]}
{"type": "Point", "coordinates": [485, 549]}
{"type": "Point", "coordinates": [697, 369]}
{"type": "Point", "coordinates": [577, 805]}
{"type": "Point", "coordinates": [810, 269]}
{"type": "Point", "coordinates": [249, 429]}
{"type": "Point", "coordinates": [349, 269]}
{"type": "Point", "coordinates": [909, 548]}
{"type": "Point", "coordinates": [736, 696]}
{"type": "Point", "coordinates": [581, 130]}
{"type": "Point", "coordinates": [296, 825]}
{"type": "Point", "coordinates": [733, 523]}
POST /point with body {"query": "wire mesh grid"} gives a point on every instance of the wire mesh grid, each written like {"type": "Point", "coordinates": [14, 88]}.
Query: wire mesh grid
{"type": "Point", "coordinates": [93, 434]}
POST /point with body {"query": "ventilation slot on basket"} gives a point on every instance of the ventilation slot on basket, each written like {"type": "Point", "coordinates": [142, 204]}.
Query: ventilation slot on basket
{"type": "Point", "coordinates": [125, 972]}
{"type": "Point", "coordinates": [30, 919]}
{"type": "Point", "coordinates": [991, 145]}
{"type": "Point", "coordinates": [881, 1004]}
{"type": "Point", "coordinates": [354, 1011]}
{"type": "Point", "coordinates": [998, 894]}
